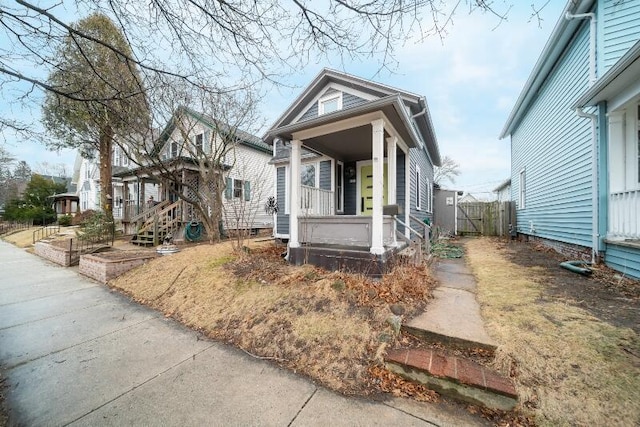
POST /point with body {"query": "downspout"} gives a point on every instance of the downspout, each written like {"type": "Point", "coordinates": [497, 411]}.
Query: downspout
{"type": "Point", "coordinates": [594, 140]}
{"type": "Point", "coordinates": [595, 234]}
{"type": "Point", "coordinates": [592, 42]}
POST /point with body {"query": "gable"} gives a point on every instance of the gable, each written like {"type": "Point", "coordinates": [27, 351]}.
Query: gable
{"type": "Point", "coordinates": [348, 98]}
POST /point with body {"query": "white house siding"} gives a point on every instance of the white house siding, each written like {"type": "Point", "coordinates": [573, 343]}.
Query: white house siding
{"type": "Point", "coordinates": [618, 30]}
{"type": "Point", "coordinates": [251, 165]}
{"type": "Point", "coordinates": [553, 145]}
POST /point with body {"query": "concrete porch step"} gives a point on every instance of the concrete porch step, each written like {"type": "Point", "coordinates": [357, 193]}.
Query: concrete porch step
{"type": "Point", "coordinates": [454, 377]}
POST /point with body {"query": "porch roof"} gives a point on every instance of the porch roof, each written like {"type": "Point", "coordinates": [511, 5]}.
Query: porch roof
{"type": "Point", "coordinates": [149, 171]}
{"type": "Point", "coordinates": [618, 79]}
{"type": "Point", "coordinates": [390, 106]}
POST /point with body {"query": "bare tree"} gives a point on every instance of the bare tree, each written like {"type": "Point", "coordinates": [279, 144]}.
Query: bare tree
{"type": "Point", "coordinates": [448, 171]}
{"type": "Point", "coordinates": [197, 147]}
{"type": "Point", "coordinates": [220, 46]}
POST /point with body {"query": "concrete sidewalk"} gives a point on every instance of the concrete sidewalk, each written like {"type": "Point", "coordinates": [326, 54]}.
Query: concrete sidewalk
{"type": "Point", "coordinates": [73, 352]}
{"type": "Point", "coordinates": [454, 314]}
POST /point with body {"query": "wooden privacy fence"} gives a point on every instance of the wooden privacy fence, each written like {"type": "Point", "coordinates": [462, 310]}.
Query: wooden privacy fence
{"type": "Point", "coordinates": [486, 218]}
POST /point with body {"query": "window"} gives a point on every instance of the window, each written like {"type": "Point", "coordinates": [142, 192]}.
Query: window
{"type": "Point", "coordinates": [174, 149]}
{"type": "Point", "coordinates": [330, 103]}
{"type": "Point", "coordinates": [308, 174]}
{"type": "Point", "coordinates": [198, 143]}
{"type": "Point", "coordinates": [339, 187]}
{"type": "Point", "coordinates": [418, 190]}
{"type": "Point", "coordinates": [523, 190]}
{"type": "Point", "coordinates": [237, 189]}
{"type": "Point", "coordinates": [428, 194]}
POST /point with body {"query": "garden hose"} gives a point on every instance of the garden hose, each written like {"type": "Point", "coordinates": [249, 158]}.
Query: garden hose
{"type": "Point", "coordinates": [193, 231]}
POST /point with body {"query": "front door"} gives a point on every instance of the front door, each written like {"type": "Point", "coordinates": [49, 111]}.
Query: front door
{"type": "Point", "coordinates": [366, 189]}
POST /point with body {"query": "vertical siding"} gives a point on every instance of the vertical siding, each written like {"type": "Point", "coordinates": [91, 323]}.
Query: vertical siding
{"type": "Point", "coordinates": [325, 175]}
{"type": "Point", "coordinates": [624, 259]}
{"type": "Point", "coordinates": [419, 157]}
{"type": "Point", "coordinates": [282, 218]}
{"type": "Point", "coordinates": [553, 145]}
{"type": "Point", "coordinates": [619, 30]}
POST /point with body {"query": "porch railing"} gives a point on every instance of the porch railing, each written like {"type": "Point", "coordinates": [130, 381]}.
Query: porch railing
{"type": "Point", "coordinates": [624, 218]}
{"type": "Point", "coordinates": [316, 201]}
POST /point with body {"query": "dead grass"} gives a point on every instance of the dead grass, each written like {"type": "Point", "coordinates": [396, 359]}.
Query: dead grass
{"type": "Point", "coordinates": [22, 239]}
{"type": "Point", "coordinates": [570, 367]}
{"type": "Point", "coordinates": [330, 326]}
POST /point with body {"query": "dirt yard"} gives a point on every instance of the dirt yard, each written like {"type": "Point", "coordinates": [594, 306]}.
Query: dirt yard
{"type": "Point", "coordinates": [570, 342]}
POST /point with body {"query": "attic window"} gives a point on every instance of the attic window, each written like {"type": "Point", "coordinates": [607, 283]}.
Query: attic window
{"type": "Point", "coordinates": [330, 103]}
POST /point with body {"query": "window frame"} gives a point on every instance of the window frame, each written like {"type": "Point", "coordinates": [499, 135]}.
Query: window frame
{"type": "Point", "coordinates": [326, 99]}
{"type": "Point", "coordinates": [339, 190]}
{"type": "Point", "coordinates": [418, 189]}
{"type": "Point", "coordinates": [234, 189]}
{"type": "Point", "coordinates": [199, 144]}
{"type": "Point", "coordinates": [316, 174]}
{"type": "Point", "coordinates": [522, 189]}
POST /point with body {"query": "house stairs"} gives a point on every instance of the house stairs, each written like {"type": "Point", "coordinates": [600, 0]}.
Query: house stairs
{"type": "Point", "coordinates": [157, 223]}
{"type": "Point", "coordinates": [453, 350]}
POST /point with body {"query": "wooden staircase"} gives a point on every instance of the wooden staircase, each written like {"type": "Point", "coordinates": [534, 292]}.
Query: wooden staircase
{"type": "Point", "coordinates": [158, 222]}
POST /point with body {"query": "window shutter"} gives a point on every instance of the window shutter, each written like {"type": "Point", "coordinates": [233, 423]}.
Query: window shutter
{"type": "Point", "coordinates": [247, 191]}
{"type": "Point", "coordinates": [206, 144]}
{"type": "Point", "coordinates": [228, 191]}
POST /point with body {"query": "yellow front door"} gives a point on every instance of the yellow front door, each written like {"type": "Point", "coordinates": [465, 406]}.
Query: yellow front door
{"type": "Point", "coordinates": [366, 189]}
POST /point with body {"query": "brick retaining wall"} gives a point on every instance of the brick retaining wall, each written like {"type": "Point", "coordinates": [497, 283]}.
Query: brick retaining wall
{"type": "Point", "coordinates": [103, 269]}
{"type": "Point", "coordinates": [57, 254]}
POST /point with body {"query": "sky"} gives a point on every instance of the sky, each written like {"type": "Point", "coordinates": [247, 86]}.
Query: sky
{"type": "Point", "coordinates": [471, 80]}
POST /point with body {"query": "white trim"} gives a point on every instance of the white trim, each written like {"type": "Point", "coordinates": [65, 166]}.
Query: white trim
{"type": "Point", "coordinates": [377, 155]}
{"type": "Point", "coordinates": [359, 165]}
{"type": "Point", "coordinates": [418, 186]}
{"type": "Point", "coordinates": [407, 192]}
{"type": "Point", "coordinates": [522, 189]}
{"type": "Point", "coordinates": [345, 124]}
{"type": "Point", "coordinates": [429, 207]}
{"type": "Point", "coordinates": [330, 97]}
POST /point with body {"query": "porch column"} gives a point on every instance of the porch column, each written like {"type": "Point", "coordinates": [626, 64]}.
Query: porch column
{"type": "Point", "coordinates": [142, 201]}
{"type": "Point", "coordinates": [294, 193]}
{"type": "Point", "coordinates": [392, 144]}
{"type": "Point", "coordinates": [125, 200]}
{"type": "Point", "coordinates": [377, 157]}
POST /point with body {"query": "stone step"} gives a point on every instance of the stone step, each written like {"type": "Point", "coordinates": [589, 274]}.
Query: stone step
{"type": "Point", "coordinates": [453, 376]}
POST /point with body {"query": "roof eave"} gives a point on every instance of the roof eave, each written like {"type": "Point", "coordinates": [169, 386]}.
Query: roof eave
{"type": "Point", "coordinates": [553, 49]}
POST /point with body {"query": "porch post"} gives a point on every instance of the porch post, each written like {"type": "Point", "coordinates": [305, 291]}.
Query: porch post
{"type": "Point", "coordinates": [294, 193]}
{"type": "Point", "coordinates": [392, 144]}
{"type": "Point", "coordinates": [377, 149]}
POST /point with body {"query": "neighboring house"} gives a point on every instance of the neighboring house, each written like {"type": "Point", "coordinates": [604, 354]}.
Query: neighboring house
{"type": "Point", "coordinates": [345, 149]}
{"type": "Point", "coordinates": [503, 191]}
{"type": "Point", "coordinates": [246, 171]}
{"type": "Point", "coordinates": [86, 178]}
{"type": "Point", "coordinates": [575, 164]}
{"type": "Point", "coordinates": [445, 211]}
{"type": "Point", "coordinates": [468, 198]}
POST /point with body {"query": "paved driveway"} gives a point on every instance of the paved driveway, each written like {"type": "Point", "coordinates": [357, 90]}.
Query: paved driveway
{"type": "Point", "coordinates": [73, 352]}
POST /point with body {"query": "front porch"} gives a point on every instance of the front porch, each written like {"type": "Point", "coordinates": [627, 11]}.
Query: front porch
{"type": "Point", "coordinates": [334, 191]}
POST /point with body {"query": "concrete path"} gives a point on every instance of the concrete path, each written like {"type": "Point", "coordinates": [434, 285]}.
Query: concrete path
{"type": "Point", "coordinates": [74, 353]}
{"type": "Point", "coordinates": [454, 313]}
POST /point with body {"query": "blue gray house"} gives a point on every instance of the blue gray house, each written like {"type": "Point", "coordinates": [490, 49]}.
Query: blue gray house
{"type": "Point", "coordinates": [575, 141]}
{"type": "Point", "coordinates": [353, 164]}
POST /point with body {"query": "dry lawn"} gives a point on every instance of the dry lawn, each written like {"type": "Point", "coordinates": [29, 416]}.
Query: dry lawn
{"type": "Point", "coordinates": [571, 368]}
{"type": "Point", "coordinates": [22, 239]}
{"type": "Point", "coordinates": [330, 326]}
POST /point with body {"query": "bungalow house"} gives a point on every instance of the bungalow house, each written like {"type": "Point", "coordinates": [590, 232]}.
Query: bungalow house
{"type": "Point", "coordinates": [152, 192]}
{"type": "Point", "coordinates": [575, 145]}
{"type": "Point", "coordinates": [353, 166]}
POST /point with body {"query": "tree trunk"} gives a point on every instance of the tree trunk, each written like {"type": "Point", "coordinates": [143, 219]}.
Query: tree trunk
{"type": "Point", "coordinates": [106, 189]}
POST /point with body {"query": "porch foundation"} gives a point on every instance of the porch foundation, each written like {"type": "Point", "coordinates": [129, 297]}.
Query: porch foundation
{"type": "Point", "coordinates": [345, 259]}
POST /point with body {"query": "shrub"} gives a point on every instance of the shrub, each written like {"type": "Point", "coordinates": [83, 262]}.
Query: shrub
{"type": "Point", "coordinates": [65, 221]}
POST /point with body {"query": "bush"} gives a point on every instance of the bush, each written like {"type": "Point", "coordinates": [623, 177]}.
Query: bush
{"type": "Point", "coordinates": [83, 217]}
{"type": "Point", "coordinates": [65, 221]}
